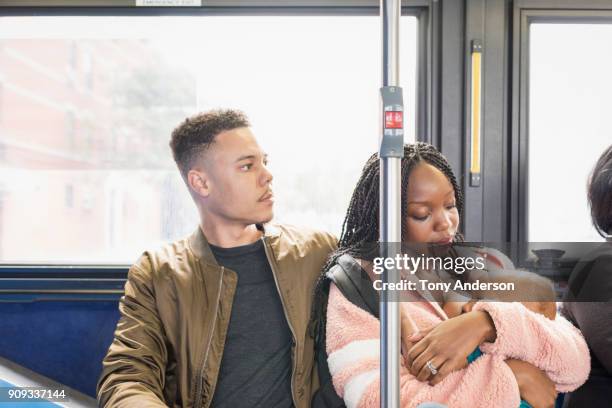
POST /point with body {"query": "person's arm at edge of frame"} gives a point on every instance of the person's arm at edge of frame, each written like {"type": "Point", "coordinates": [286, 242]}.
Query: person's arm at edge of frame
{"type": "Point", "coordinates": [134, 367]}
{"type": "Point", "coordinates": [593, 318]}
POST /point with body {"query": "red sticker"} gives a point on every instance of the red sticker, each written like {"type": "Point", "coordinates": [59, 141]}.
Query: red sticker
{"type": "Point", "coordinates": [394, 120]}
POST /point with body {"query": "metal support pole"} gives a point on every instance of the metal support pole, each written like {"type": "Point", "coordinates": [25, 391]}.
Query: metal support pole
{"type": "Point", "coordinates": [390, 153]}
{"type": "Point", "coordinates": [390, 11]}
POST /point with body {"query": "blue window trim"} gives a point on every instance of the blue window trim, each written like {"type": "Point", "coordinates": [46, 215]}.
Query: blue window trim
{"type": "Point", "coordinates": [27, 283]}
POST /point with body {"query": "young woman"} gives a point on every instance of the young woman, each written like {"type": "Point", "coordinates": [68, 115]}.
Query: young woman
{"type": "Point", "coordinates": [525, 354]}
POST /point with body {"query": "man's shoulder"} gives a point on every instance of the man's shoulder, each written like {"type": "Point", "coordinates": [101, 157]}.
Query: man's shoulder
{"type": "Point", "coordinates": [298, 235]}
{"type": "Point", "coordinates": [164, 257]}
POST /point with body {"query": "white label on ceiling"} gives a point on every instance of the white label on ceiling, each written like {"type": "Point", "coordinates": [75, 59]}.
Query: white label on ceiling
{"type": "Point", "coordinates": [168, 3]}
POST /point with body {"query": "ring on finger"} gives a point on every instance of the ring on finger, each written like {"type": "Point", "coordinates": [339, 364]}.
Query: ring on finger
{"type": "Point", "coordinates": [432, 368]}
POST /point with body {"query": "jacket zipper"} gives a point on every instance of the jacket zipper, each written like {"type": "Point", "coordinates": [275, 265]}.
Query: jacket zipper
{"type": "Point", "coordinates": [198, 401]}
{"type": "Point", "coordinates": [294, 362]}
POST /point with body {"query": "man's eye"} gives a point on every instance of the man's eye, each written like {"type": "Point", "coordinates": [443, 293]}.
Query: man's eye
{"type": "Point", "coordinates": [246, 167]}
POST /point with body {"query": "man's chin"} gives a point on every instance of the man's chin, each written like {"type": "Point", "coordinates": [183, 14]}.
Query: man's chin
{"type": "Point", "coordinates": [264, 219]}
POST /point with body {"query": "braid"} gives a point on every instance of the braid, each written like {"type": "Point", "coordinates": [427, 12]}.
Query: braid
{"type": "Point", "coordinates": [360, 228]}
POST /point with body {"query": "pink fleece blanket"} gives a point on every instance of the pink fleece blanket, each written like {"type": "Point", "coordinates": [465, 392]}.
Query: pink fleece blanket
{"type": "Point", "coordinates": [353, 346]}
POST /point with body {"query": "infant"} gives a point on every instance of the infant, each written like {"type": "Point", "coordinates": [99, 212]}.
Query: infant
{"type": "Point", "coordinates": [535, 292]}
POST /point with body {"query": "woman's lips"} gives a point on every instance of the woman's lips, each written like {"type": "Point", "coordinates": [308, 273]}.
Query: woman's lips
{"type": "Point", "coordinates": [444, 241]}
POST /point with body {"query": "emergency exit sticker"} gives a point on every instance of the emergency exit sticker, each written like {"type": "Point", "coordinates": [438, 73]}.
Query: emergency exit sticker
{"type": "Point", "coordinates": [168, 3]}
{"type": "Point", "coordinates": [394, 120]}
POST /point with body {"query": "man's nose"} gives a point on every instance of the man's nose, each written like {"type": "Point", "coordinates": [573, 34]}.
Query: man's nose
{"type": "Point", "coordinates": [266, 176]}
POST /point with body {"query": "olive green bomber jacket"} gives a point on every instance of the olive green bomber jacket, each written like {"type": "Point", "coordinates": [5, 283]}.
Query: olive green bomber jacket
{"type": "Point", "coordinates": [175, 313]}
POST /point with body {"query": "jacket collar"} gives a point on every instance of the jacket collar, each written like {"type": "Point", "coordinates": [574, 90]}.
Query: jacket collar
{"type": "Point", "coordinates": [201, 249]}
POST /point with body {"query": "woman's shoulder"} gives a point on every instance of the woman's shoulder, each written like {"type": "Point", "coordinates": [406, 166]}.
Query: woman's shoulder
{"type": "Point", "coordinates": [590, 280]}
{"type": "Point", "coordinates": [346, 264]}
{"type": "Point", "coordinates": [349, 277]}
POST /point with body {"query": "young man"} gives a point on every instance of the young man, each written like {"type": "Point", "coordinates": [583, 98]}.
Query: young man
{"type": "Point", "coordinates": [220, 318]}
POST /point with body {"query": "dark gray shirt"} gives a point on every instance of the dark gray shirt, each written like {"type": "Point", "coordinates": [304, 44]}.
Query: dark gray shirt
{"type": "Point", "coordinates": [256, 363]}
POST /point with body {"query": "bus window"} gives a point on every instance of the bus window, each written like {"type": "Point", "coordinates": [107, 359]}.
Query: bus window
{"type": "Point", "coordinates": [86, 173]}
{"type": "Point", "coordinates": [569, 125]}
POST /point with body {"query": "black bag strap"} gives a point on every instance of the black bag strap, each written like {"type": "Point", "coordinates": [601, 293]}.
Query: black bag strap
{"type": "Point", "coordinates": [355, 284]}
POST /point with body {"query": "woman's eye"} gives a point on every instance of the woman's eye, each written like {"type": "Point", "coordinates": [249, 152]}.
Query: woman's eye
{"type": "Point", "coordinates": [419, 218]}
{"type": "Point", "coordinates": [451, 206]}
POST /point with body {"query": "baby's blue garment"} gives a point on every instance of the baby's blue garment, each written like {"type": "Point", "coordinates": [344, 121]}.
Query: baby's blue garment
{"type": "Point", "coordinates": [477, 353]}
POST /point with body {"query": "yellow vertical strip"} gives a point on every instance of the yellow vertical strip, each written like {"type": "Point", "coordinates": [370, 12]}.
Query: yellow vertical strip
{"type": "Point", "coordinates": [476, 107]}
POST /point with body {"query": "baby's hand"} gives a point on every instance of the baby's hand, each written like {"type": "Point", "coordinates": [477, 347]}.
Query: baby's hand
{"type": "Point", "coordinates": [456, 304]}
{"type": "Point", "coordinates": [548, 309]}
{"type": "Point", "coordinates": [453, 309]}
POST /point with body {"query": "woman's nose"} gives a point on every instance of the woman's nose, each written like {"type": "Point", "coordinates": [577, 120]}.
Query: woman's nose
{"type": "Point", "coordinates": [442, 221]}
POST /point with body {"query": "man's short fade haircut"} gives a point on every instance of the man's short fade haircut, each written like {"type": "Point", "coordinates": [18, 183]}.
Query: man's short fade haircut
{"type": "Point", "coordinates": [195, 135]}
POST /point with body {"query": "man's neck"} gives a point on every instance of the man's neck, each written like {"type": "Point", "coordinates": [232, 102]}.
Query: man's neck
{"type": "Point", "coordinates": [229, 235]}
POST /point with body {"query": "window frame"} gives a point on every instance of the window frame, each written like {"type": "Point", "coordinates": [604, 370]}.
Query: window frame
{"type": "Point", "coordinates": [526, 12]}
{"type": "Point", "coordinates": [26, 282]}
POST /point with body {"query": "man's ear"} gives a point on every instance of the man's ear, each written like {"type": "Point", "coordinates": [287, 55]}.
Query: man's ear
{"type": "Point", "coordinates": [199, 182]}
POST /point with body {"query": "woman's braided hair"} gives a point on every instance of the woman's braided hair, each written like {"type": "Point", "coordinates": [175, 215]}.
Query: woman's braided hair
{"type": "Point", "coordinates": [360, 229]}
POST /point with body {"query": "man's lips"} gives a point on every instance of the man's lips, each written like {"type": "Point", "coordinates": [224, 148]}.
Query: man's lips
{"type": "Point", "coordinates": [268, 196]}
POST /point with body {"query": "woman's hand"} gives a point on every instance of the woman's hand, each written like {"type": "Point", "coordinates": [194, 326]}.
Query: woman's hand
{"type": "Point", "coordinates": [534, 385]}
{"type": "Point", "coordinates": [448, 344]}
{"type": "Point", "coordinates": [408, 329]}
